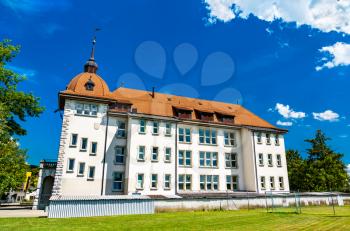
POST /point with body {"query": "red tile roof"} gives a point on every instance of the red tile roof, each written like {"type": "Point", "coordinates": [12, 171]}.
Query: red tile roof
{"type": "Point", "coordinates": [161, 104]}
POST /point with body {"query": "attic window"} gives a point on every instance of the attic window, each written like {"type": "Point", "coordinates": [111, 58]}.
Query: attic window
{"type": "Point", "coordinates": [227, 119]}
{"type": "Point", "coordinates": [182, 113]}
{"type": "Point", "coordinates": [205, 116]}
{"type": "Point", "coordinates": [123, 107]}
{"type": "Point", "coordinates": [89, 85]}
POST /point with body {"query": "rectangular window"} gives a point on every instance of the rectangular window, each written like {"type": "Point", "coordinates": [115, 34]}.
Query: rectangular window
{"type": "Point", "coordinates": [185, 182]}
{"type": "Point", "coordinates": [261, 159]}
{"type": "Point", "coordinates": [225, 118]}
{"type": "Point", "coordinates": [185, 158]}
{"type": "Point", "coordinates": [79, 108]}
{"type": "Point", "coordinates": [272, 182]}
{"type": "Point", "coordinates": [154, 154]}
{"type": "Point", "coordinates": [209, 182]}
{"type": "Point", "coordinates": [142, 128]}
{"type": "Point", "coordinates": [208, 159]}
{"type": "Point", "coordinates": [232, 183]}
{"type": "Point", "coordinates": [86, 109]}
{"type": "Point", "coordinates": [168, 129]}
{"type": "Point", "coordinates": [269, 160]}
{"type": "Point", "coordinates": [279, 160]}
{"type": "Point", "coordinates": [84, 144]}
{"type": "Point", "coordinates": [91, 171]}
{"type": "Point", "coordinates": [231, 160]}
{"type": "Point", "coordinates": [185, 135]}
{"type": "Point", "coordinates": [140, 177]}
{"type": "Point", "coordinates": [188, 135]}
{"type": "Point", "coordinates": [277, 140]}
{"type": "Point", "coordinates": [121, 107]}
{"type": "Point", "coordinates": [230, 138]}
{"type": "Point", "coordinates": [154, 181]}
{"type": "Point", "coordinates": [141, 153]}
{"type": "Point", "coordinates": [183, 114]}
{"type": "Point", "coordinates": [262, 182]}
{"type": "Point", "coordinates": [181, 135]}
{"type": "Point", "coordinates": [93, 109]}
{"type": "Point", "coordinates": [71, 163]}
{"type": "Point", "coordinates": [119, 154]}
{"type": "Point", "coordinates": [167, 181]}
{"type": "Point", "coordinates": [118, 181]}
{"type": "Point", "coordinates": [93, 150]}
{"type": "Point", "coordinates": [258, 137]}
{"type": "Point", "coordinates": [281, 182]}
{"type": "Point", "coordinates": [121, 132]}
{"type": "Point", "coordinates": [73, 140]}
{"type": "Point", "coordinates": [207, 136]}
{"type": "Point", "coordinates": [181, 182]}
{"type": "Point", "coordinates": [167, 156]}
{"type": "Point", "coordinates": [202, 182]}
{"type": "Point", "coordinates": [268, 138]}
{"type": "Point", "coordinates": [81, 169]}
{"type": "Point", "coordinates": [215, 182]}
{"type": "Point", "coordinates": [228, 183]}
{"type": "Point", "coordinates": [155, 130]}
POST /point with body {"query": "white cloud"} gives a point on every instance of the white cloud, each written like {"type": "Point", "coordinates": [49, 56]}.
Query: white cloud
{"type": "Point", "coordinates": [327, 115]}
{"type": "Point", "coordinates": [35, 6]}
{"type": "Point", "coordinates": [343, 136]}
{"type": "Point", "coordinates": [348, 169]}
{"type": "Point", "coordinates": [325, 15]}
{"type": "Point", "coordinates": [22, 71]}
{"type": "Point", "coordinates": [338, 55]}
{"type": "Point", "coordinates": [289, 113]}
{"type": "Point", "coordinates": [28, 73]}
{"type": "Point", "coordinates": [284, 123]}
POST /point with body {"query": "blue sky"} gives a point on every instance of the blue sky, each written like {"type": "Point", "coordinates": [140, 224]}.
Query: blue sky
{"type": "Point", "coordinates": [287, 63]}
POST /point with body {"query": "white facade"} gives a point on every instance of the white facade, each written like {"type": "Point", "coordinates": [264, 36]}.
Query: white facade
{"type": "Point", "coordinates": [155, 160]}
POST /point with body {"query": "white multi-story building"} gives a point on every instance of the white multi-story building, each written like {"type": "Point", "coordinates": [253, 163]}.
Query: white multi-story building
{"type": "Point", "coordinates": [131, 141]}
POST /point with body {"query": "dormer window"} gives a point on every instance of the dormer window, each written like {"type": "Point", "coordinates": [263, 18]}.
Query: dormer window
{"type": "Point", "coordinates": [89, 85]}
{"type": "Point", "coordinates": [183, 113]}
{"type": "Point", "coordinates": [205, 116]}
{"type": "Point", "coordinates": [123, 107]}
{"type": "Point", "coordinates": [227, 119]}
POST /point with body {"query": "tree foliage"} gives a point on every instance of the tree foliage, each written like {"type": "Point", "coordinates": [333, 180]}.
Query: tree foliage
{"type": "Point", "coordinates": [322, 169]}
{"type": "Point", "coordinates": [15, 107]}
{"type": "Point", "coordinates": [17, 104]}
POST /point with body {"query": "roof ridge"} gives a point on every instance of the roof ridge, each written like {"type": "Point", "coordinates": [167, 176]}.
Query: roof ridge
{"type": "Point", "coordinates": [172, 95]}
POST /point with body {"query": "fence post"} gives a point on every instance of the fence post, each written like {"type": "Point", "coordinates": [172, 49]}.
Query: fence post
{"type": "Point", "coordinates": [299, 202]}
{"type": "Point", "coordinates": [267, 208]}
{"type": "Point", "coordinates": [332, 203]}
{"type": "Point", "coordinates": [296, 203]}
{"type": "Point", "coordinates": [272, 205]}
{"type": "Point", "coordinates": [248, 200]}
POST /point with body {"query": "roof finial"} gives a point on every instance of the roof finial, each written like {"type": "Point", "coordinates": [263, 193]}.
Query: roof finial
{"type": "Point", "coordinates": [91, 66]}
{"type": "Point", "coordinates": [92, 55]}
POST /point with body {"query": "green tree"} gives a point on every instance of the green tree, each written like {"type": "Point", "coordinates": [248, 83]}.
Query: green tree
{"type": "Point", "coordinates": [322, 169]}
{"type": "Point", "coordinates": [326, 167]}
{"type": "Point", "coordinates": [296, 170]}
{"type": "Point", "coordinates": [15, 106]}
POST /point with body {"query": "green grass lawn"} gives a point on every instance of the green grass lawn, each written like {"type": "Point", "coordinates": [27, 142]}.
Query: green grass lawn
{"type": "Point", "coordinates": [312, 218]}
